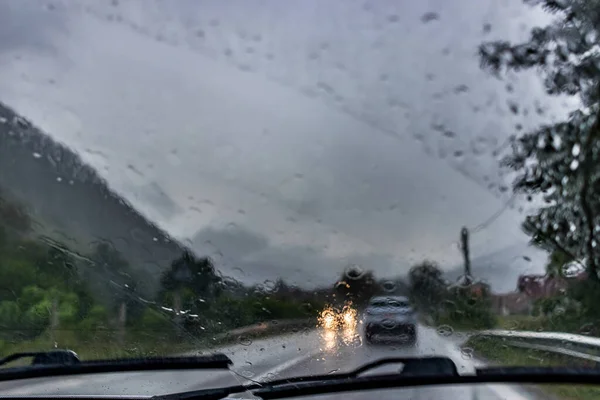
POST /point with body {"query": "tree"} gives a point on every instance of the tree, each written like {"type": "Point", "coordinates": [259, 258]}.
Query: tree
{"type": "Point", "coordinates": [356, 285]}
{"type": "Point", "coordinates": [111, 265]}
{"type": "Point", "coordinates": [14, 216]}
{"type": "Point", "coordinates": [196, 274]}
{"type": "Point", "coordinates": [556, 262]}
{"type": "Point", "coordinates": [560, 162]}
{"type": "Point", "coordinates": [426, 286]}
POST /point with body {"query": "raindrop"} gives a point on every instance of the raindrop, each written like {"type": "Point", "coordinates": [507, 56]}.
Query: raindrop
{"type": "Point", "coordinates": [37, 155]}
{"type": "Point", "coordinates": [526, 258]}
{"type": "Point", "coordinates": [354, 272]}
{"type": "Point", "coordinates": [445, 330]}
{"type": "Point", "coordinates": [487, 28]}
{"type": "Point", "coordinates": [429, 16]}
{"type": "Point", "coordinates": [244, 340]}
{"type": "Point", "coordinates": [586, 329]}
{"type": "Point", "coordinates": [389, 286]}
{"type": "Point", "coordinates": [467, 353]}
{"type": "Point", "coordinates": [574, 165]}
{"type": "Point", "coordinates": [576, 150]}
{"type": "Point", "coordinates": [513, 107]}
{"type": "Point", "coordinates": [270, 376]}
{"type": "Point", "coordinates": [388, 323]}
{"type": "Point", "coordinates": [247, 374]}
{"type": "Point", "coordinates": [461, 89]}
{"type": "Point", "coordinates": [449, 134]}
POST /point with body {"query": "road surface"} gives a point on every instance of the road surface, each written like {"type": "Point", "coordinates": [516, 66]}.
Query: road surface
{"type": "Point", "coordinates": [311, 352]}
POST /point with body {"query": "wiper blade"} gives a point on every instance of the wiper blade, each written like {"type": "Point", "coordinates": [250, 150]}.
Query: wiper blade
{"type": "Point", "coordinates": [44, 357]}
{"type": "Point", "coordinates": [66, 362]}
{"type": "Point", "coordinates": [418, 371]}
{"type": "Point", "coordinates": [511, 375]}
{"type": "Point", "coordinates": [421, 366]}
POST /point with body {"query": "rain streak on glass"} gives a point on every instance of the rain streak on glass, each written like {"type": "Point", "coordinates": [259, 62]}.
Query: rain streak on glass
{"type": "Point", "coordinates": [302, 186]}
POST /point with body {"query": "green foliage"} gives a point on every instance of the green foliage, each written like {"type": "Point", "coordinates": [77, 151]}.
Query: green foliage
{"type": "Point", "coordinates": [426, 287]}
{"type": "Point", "coordinates": [356, 286]}
{"type": "Point", "coordinates": [47, 296]}
{"type": "Point", "coordinates": [467, 307]}
{"type": "Point", "coordinates": [560, 162]}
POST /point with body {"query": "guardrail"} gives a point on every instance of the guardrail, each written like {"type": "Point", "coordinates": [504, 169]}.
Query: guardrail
{"type": "Point", "coordinates": [281, 326]}
{"type": "Point", "coordinates": [570, 344]}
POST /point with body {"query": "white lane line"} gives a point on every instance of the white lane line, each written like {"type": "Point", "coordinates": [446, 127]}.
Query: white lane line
{"type": "Point", "coordinates": [283, 366]}
{"type": "Point", "coordinates": [502, 391]}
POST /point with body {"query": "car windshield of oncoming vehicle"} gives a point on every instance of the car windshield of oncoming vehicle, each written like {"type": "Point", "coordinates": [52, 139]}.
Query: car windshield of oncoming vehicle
{"type": "Point", "coordinates": [389, 303]}
{"type": "Point", "coordinates": [304, 186]}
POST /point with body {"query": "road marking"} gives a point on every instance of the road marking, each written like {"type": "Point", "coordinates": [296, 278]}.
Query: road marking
{"type": "Point", "coordinates": [283, 366]}
{"type": "Point", "coordinates": [502, 391]}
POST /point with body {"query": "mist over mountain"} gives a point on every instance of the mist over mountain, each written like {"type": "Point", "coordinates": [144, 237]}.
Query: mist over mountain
{"type": "Point", "coordinates": [71, 204]}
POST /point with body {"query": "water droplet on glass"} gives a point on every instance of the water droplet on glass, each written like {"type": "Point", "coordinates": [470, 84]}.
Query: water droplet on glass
{"type": "Point", "coordinates": [389, 286]}
{"type": "Point", "coordinates": [354, 272]}
{"type": "Point", "coordinates": [247, 373]}
{"type": "Point", "coordinates": [429, 16]}
{"type": "Point", "coordinates": [244, 340]}
{"type": "Point", "coordinates": [574, 165]}
{"type": "Point", "coordinates": [461, 89]}
{"type": "Point", "coordinates": [445, 330]}
{"type": "Point", "coordinates": [466, 353]}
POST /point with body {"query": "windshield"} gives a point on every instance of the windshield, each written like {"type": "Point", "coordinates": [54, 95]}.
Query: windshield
{"type": "Point", "coordinates": [248, 177]}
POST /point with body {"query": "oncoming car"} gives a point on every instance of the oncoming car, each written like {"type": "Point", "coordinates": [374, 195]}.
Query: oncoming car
{"type": "Point", "coordinates": [334, 318]}
{"type": "Point", "coordinates": [391, 317]}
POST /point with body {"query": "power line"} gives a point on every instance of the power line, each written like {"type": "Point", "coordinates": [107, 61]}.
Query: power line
{"type": "Point", "coordinates": [494, 216]}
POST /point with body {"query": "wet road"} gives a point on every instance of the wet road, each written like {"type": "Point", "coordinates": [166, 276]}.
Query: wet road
{"type": "Point", "coordinates": [313, 352]}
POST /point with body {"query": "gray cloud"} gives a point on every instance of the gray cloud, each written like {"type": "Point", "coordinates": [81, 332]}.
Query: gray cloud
{"type": "Point", "coordinates": [249, 256]}
{"type": "Point", "coordinates": [334, 130]}
{"type": "Point", "coordinates": [33, 26]}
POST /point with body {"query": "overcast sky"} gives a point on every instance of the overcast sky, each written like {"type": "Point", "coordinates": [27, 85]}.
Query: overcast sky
{"type": "Point", "coordinates": [286, 133]}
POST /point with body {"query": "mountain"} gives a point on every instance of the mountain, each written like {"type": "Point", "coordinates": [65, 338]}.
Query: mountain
{"type": "Point", "coordinates": [71, 204]}
{"type": "Point", "coordinates": [502, 268]}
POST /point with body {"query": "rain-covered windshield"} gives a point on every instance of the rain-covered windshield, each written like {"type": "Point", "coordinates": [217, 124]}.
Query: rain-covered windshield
{"type": "Point", "coordinates": [247, 176]}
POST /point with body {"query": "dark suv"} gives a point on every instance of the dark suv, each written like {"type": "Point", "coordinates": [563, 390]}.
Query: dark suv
{"type": "Point", "coordinates": [390, 317]}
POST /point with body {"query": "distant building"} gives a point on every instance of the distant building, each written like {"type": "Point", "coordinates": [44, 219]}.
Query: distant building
{"type": "Point", "coordinates": [534, 287]}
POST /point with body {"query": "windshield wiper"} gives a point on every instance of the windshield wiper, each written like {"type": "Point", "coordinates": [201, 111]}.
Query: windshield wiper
{"type": "Point", "coordinates": [424, 371]}
{"type": "Point", "coordinates": [66, 362]}
{"type": "Point", "coordinates": [416, 371]}
{"type": "Point", "coordinates": [412, 366]}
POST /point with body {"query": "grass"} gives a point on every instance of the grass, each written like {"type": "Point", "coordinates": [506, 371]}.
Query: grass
{"type": "Point", "coordinates": [497, 351]}
{"type": "Point", "coordinates": [520, 322]}
{"type": "Point", "coordinates": [140, 343]}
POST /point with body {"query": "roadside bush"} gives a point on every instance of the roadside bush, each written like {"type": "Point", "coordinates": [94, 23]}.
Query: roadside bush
{"type": "Point", "coordinates": [466, 309]}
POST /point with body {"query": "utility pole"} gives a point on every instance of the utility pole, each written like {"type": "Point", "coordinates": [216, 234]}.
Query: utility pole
{"type": "Point", "coordinates": [464, 245]}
